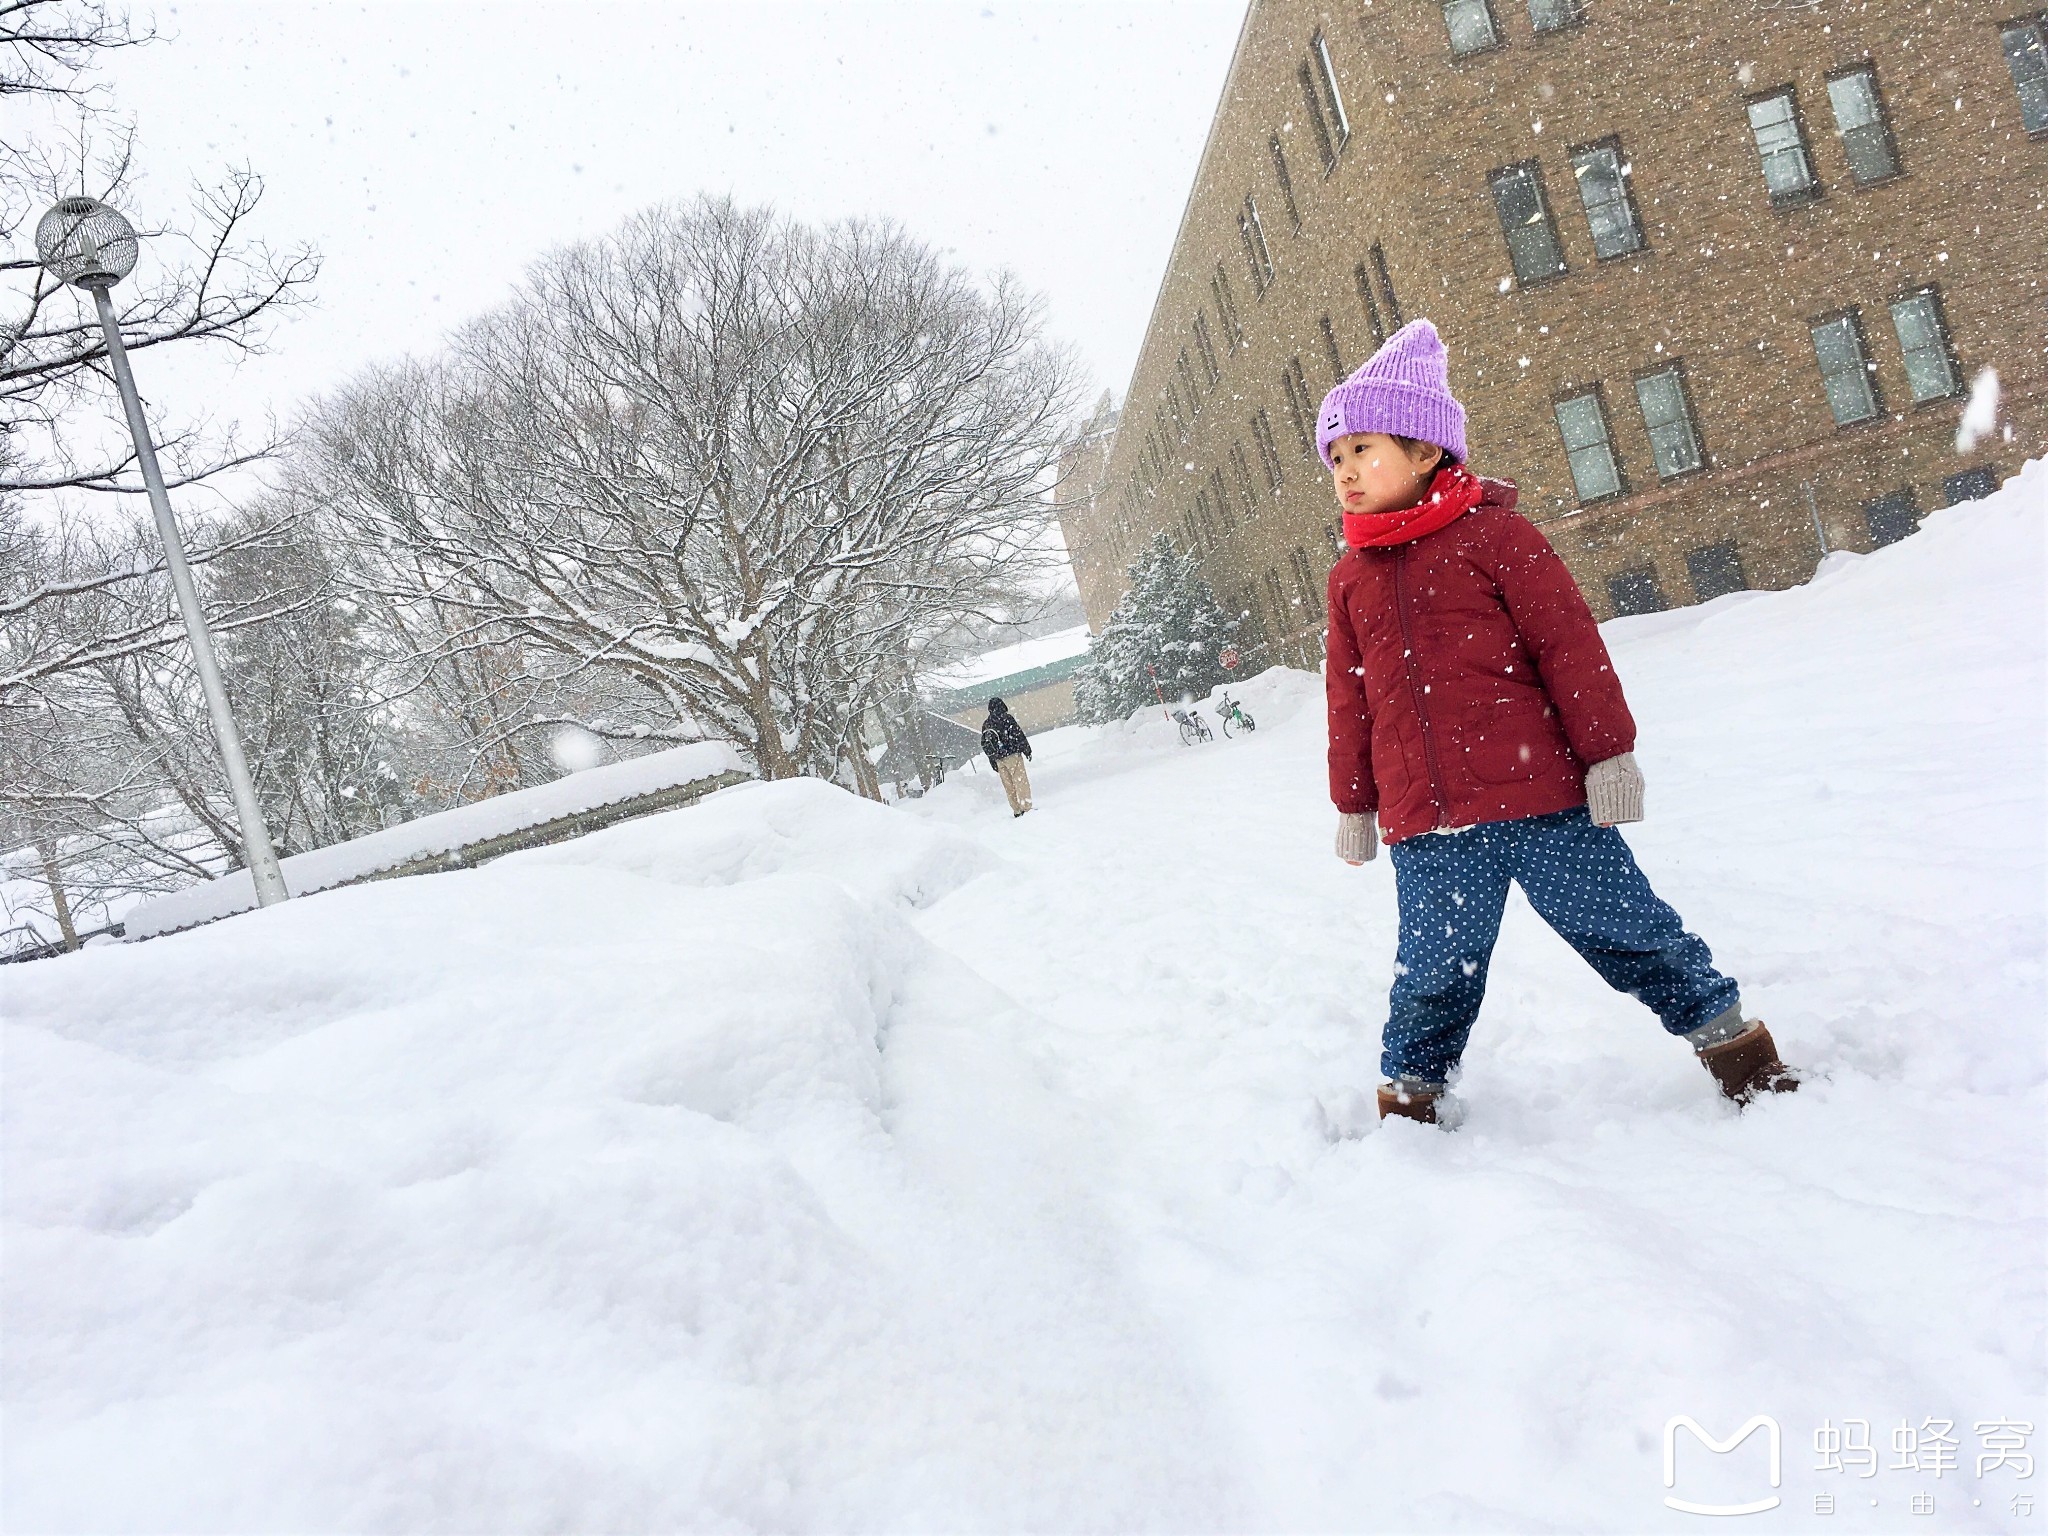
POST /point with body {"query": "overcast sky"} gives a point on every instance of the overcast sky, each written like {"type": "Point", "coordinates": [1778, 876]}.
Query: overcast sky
{"type": "Point", "coordinates": [431, 150]}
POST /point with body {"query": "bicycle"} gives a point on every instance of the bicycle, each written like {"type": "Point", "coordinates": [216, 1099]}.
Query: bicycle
{"type": "Point", "coordinates": [1192, 729]}
{"type": "Point", "coordinates": [1233, 716]}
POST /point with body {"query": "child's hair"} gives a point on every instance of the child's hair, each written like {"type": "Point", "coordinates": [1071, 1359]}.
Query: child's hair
{"type": "Point", "coordinates": [1411, 442]}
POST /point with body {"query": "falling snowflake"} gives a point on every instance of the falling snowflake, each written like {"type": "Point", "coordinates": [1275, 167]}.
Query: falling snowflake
{"type": "Point", "coordinates": [1980, 415]}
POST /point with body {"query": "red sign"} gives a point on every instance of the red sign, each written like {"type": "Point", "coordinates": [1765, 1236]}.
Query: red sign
{"type": "Point", "coordinates": [1229, 658]}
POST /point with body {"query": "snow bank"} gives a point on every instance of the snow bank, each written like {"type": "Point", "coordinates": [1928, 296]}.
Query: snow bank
{"type": "Point", "coordinates": [790, 1162]}
{"type": "Point", "coordinates": [1272, 698]}
{"type": "Point", "coordinates": [572, 1192]}
{"type": "Point", "coordinates": [322, 869]}
{"type": "Point", "coordinates": [742, 835]}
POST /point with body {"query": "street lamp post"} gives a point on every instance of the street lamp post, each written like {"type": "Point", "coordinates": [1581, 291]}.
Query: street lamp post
{"type": "Point", "coordinates": [84, 242]}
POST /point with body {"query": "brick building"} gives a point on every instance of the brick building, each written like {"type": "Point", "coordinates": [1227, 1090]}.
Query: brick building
{"type": "Point", "coordinates": [1715, 279]}
{"type": "Point", "coordinates": [1095, 548]}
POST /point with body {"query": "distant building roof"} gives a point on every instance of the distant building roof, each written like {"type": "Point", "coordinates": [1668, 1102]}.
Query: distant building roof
{"type": "Point", "coordinates": [1012, 670]}
{"type": "Point", "coordinates": [1069, 645]}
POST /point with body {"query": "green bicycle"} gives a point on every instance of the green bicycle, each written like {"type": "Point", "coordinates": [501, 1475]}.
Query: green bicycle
{"type": "Point", "coordinates": [1232, 714]}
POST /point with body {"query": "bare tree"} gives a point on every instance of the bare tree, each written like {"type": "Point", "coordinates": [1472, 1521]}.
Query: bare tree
{"type": "Point", "coordinates": [107, 753]}
{"type": "Point", "coordinates": [208, 280]}
{"type": "Point", "coordinates": [46, 46]}
{"type": "Point", "coordinates": [734, 466]}
{"type": "Point", "coordinates": [89, 640]}
{"type": "Point", "coordinates": [77, 592]}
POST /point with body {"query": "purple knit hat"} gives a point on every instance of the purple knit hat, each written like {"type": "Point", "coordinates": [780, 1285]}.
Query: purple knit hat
{"type": "Point", "coordinates": [1403, 389]}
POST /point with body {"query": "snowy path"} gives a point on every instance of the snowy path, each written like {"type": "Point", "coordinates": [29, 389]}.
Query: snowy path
{"type": "Point", "coordinates": [1863, 847]}
{"type": "Point", "coordinates": [791, 1163]}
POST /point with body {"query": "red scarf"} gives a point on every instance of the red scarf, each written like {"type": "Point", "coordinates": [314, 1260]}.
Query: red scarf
{"type": "Point", "coordinates": [1454, 492]}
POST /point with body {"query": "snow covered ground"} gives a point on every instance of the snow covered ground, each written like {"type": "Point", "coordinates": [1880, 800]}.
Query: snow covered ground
{"type": "Point", "coordinates": [794, 1163]}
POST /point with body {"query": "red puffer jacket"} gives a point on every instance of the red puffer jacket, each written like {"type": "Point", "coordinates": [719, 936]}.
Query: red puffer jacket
{"type": "Point", "coordinates": [1467, 679]}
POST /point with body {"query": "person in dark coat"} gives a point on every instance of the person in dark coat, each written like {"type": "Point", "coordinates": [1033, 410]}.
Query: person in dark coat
{"type": "Point", "coordinates": [1003, 739]}
{"type": "Point", "coordinates": [1476, 723]}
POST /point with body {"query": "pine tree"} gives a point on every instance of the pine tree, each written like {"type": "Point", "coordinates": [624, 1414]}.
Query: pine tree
{"type": "Point", "coordinates": [1169, 622]}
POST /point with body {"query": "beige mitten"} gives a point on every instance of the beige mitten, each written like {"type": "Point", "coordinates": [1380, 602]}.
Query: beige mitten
{"type": "Point", "coordinates": [1357, 839]}
{"type": "Point", "coordinates": [1614, 790]}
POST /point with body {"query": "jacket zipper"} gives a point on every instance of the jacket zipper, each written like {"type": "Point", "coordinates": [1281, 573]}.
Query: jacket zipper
{"type": "Point", "coordinates": [1436, 783]}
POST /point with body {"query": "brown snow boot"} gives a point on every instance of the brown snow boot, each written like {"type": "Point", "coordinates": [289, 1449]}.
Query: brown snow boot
{"type": "Point", "coordinates": [1409, 1102]}
{"type": "Point", "coordinates": [1748, 1065]}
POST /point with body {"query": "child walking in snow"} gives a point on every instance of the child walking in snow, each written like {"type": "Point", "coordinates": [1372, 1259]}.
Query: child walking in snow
{"type": "Point", "coordinates": [1476, 716]}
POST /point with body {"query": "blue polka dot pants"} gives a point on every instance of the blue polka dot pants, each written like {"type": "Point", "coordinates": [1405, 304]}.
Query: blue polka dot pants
{"type": "Point", "coordinates": [1582, 880]}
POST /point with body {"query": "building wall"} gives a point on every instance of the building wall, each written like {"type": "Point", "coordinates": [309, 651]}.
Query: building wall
{"type": "Point", "coordinates": [1727, 284]}
{"type": "Point", "coordinates": [1091, 550]}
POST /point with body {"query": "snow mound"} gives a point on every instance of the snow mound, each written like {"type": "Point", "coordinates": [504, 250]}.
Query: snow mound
{"type": "Point", "coordinates": [640, 1185]}
{"type": "Point", "coordinates": [753, 831]}
{"type": "Point", "coordinates": [1273, 698]}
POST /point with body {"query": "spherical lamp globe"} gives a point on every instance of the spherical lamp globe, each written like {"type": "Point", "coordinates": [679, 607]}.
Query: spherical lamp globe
{"type": "Point", "coordinates": [83, 241]}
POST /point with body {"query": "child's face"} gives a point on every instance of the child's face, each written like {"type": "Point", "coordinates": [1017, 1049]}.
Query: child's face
{"type": "Point", "coordinates": [1377, 473]}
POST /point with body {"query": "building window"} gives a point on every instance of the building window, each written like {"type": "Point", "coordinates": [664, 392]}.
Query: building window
{"type": "Point", "coordinates": [1781, 145]}
{"type": "Point", "coordinates": [1891, 518]}
{"type": "Point", "coordinates": [1372, 304]}
{"type": "Point", "coordinates": [1378, 257]}
{"type": "Point", "coordinates": [1859, 119]}
{"type": "Point", "coordinates": [1603, 178]}
{"type": "Point", "coordinates": [1923, 336]}
{"type": "Point", "coordinates": [1253, 232]}
{"type": "Point", "coordinates": [2026, 55]}
{"type": "Point", "coordinates": [1301, 410]}
{"type": "Point", "coordinates": [1206, 515]}
{"type": "Point", "coordinates": [1845, 368]}
{"type": "Point", "coordinates": [1716, 570]}
{"type": "Point", "coordinates": [1276, 599]}
{"type": "Point", "coordinates": [1667, 417]}
{"type": "Point", "coordinates": [1286, 180]}
{"type": "Point", "coordinates": [1252, 638]}
{"type": "Point", "coordinates": [1471, 25]}
{"type": "Point", "coordinates": [1331, 352]}
{"type": "Point", "coordinates": [1525, 220]}
{"type": "Point", "coordinates": [1582, 423]}
{"type": "Point", "coordinates": [1969, 485]}
{"type": "Point", "coordinates": [1305, 581]}
{"type": "Point", "coordinates": [1635, 590]}
{"type": "Point", "coordinates": [1555, 15]}
{"type": "Point", "coordinates": [1187, 382]}
{"type": "Point", "coordinates": [1314, 109]}
{"type": "Point", "coordinates": [1205, 347]}
{"type": "Point", "coordinates": [1247, 491]}
{"type": "Point", "coordinates": [1220, 499]}
{"type": "Point", "coordinates": [1334, 540]}
{"type": "Point", "coordinates": [1326, 73]}
{"type": "Point", "coordinates": [1226, 309]}
{"type": "Point", "coordinates": [1269, 455]}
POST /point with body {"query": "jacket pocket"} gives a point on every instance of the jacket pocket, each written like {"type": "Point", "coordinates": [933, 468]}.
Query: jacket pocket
{"type": "Point", "coordinates": [1512, 741]}
{"type": "Point", "coordinates": [1399, 760]}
